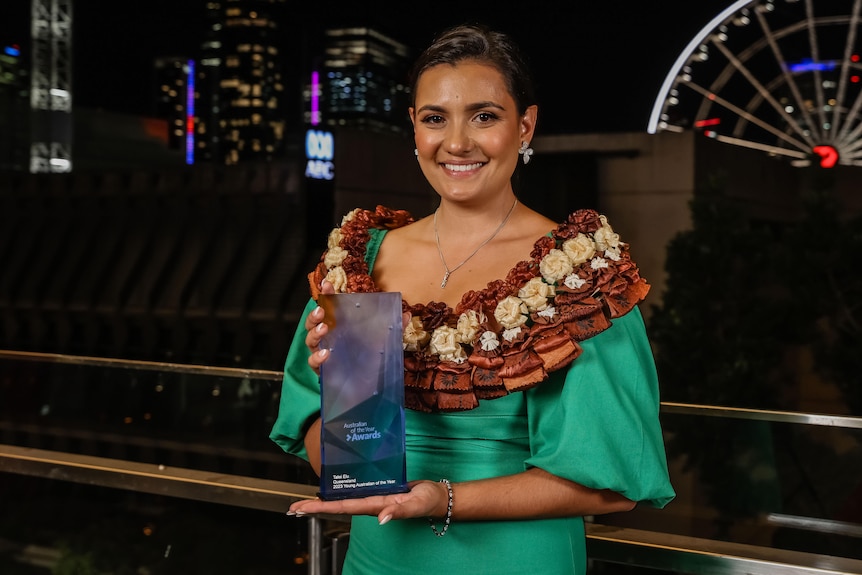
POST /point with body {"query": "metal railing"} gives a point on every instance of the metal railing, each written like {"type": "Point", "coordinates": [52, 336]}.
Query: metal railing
{"type": "Point", "coordinates": [605, 543]}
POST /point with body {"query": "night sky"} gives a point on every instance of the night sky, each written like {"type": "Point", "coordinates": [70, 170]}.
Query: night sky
{"type": "Point", "coordinates": [598, 65]}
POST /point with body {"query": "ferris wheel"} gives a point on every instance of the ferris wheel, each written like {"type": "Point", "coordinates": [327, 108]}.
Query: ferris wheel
{"type": "Point", "coordinates": [781, 76]}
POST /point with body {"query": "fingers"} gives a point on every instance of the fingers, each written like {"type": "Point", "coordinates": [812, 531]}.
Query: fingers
{"type": "Point", "coordinates": [316, 331]}
{"type": "Point", "coordinates": [423, 500]}
{"type": "Point", "coordinates": [360, 506]}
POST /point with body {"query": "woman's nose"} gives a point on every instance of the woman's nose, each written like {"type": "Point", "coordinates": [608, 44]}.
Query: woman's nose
{"type": "Point", "coordinates": [458, 140]}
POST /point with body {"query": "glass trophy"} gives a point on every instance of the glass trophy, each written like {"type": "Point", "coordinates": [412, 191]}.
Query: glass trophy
{"type": "Point", "coordinates": [362, 396]}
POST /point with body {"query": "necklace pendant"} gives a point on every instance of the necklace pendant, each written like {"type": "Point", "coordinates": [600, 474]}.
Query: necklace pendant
{"type": "Point", "coordinates": [445, 279]}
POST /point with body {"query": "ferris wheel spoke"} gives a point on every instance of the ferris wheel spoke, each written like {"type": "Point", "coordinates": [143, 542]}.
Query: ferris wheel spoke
{"type": "Point", "coordinates": [754, 104]}
{"type": "Point", "coordinates": [749, 117]}
{"type": "Point", "coordinates": [844, 129]}
{"type": "Point", "coordinates": [852, 149]}
{"type": "Point", "coordinates": [841, 127]}
{"type": "Point", "coordinates": [818, 80]}
{"type": "Point", "coordinates": [771, 40]}
{"type": "Point", "coordinates": [845, 138]}
{"type": "Point", "coordinates": [762, 147]}
{"type": "Point", "coordinates": [746, 72]}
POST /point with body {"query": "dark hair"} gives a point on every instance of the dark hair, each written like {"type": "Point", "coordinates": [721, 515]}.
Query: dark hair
{"type": "Point", "coordinates": [480, 43]}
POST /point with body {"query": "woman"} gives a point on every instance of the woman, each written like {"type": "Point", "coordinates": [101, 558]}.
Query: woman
{"type": "Point", "coordinates": [531, 390]}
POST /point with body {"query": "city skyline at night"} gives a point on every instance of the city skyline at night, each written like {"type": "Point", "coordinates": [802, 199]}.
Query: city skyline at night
{"type": "Point", "coordinates": [597, 68]}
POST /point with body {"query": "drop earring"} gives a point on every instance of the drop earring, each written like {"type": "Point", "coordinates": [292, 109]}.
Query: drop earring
{"type": "Point", "coordinates": [526, 151]}
{"type": "Point", "coordinates": [416, 153]}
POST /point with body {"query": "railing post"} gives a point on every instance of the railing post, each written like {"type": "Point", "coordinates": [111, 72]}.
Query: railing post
{"type": "Point", "coordinates": [315, 546]}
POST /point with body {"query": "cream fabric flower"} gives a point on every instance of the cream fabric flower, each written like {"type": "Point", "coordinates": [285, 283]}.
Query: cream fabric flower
{"type": "Point", "coordinates": [511, 334]}
{"type": "Point", "coordinates": [468, 327]}
{"type": "Point", "coordinates": [605, 236]}
{"type": "Point", "coordinates": [415, 337]}
{"type": "Point", "coordinates": [337, 278]}
{"type": "Point", "coordinates": [598, 263]}
{"type": "Point", "coordinates": [555, 266]}
{"type": "Point", "coordinates": [334, 257]}
{"type": "Point", "coordinates": [613, 254]}
{"type": "Point", "coordinates": [334, 239]}
{"type": "Point", "coordinates": [548, 312]}
{"type": "Point", "coordinates": [574, 281]}
{"type": "Point", "coordinates": [579, 248]}
{"type": "Point", "coordinates": [489, 341]}
{"type": "Point", "coordinates": [511, 312]}
{"type": "Point", "coordinates": [350, 216]}
{"type": "Point", "coordinates": [445, 344]}
{"type": "Point", "coordinates": [535, 294]}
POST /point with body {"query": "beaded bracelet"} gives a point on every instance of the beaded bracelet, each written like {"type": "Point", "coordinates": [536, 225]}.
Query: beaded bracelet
{"type": "Point", "coordinates": [448, 518]}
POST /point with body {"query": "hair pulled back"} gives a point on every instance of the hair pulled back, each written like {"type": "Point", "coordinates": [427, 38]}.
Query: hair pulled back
{"type": "Point", "coordinates": [479, 43]}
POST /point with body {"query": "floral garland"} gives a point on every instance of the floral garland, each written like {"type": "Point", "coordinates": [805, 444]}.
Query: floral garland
{"type": "Point", "coordinates": [510, 335]}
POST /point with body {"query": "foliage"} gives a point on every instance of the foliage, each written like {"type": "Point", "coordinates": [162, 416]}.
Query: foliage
{"type": "Point", "coordinates": [743, 298]}
{"type": "Point", "coordinates": [823, 265]}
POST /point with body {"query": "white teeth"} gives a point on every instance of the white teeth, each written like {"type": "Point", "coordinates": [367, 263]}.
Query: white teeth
{"type": "Point", "coordinates": [462, 167]}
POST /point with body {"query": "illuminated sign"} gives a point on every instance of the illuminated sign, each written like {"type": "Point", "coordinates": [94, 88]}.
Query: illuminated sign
{"type": "Point", "coordinates": [315, 98]}
{"type": "Point", "coordinates": [809, 65]}
{"type": "Point", "coordinates": [320, 151]}
{"type": "Point", "coordinates": [707, 122]}
{"type": "Point", "coordinates": [190, 114]}
{"type": "Point", "coordinates": [828, 156]}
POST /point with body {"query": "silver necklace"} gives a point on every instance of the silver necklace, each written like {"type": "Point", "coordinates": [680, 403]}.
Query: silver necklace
{"type": "Point", "coordinates": [440, 251]}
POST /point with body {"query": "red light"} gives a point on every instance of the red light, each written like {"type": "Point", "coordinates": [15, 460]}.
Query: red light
{"type": "Point", "coordinates": [854, 79]}
{"type": "Point", "coordinates": [854, 58]}
{"type": "Point", "coordinates": [707, 122]}
{"type": "Point", "coordinates": [828, 156]}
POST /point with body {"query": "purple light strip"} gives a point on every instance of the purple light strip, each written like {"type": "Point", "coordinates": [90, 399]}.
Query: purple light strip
{"type": "Point", "coordinates": [190, 114]}
{"type": "Point", "coordinates": [315, 98]}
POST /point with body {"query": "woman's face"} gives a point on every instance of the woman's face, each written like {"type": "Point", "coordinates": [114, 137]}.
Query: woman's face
{"type": "Point", "coordinates": [468, 130]}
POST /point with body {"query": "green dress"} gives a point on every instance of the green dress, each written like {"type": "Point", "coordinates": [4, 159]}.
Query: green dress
{"type": "Point", "coordinates": [594, 422]}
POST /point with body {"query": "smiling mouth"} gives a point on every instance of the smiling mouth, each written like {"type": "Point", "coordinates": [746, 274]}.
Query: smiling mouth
{"type": "Point", "coordinates": [463, 167]}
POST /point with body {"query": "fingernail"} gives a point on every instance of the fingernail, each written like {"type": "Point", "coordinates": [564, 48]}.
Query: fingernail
{"type": "Point", "coordinates": [300, 513]}
{"type": "Point", "coordinates": [319, 327]}
{"type": "Point", "coordinates": [385, 519]}
{"type": "Point", "coordinates": [323, 353]}
{"type": "Point", "coordinates": [291, 513]}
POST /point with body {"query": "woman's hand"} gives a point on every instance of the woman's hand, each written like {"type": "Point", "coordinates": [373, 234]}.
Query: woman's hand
{"type": "Point", "coordinates": [316, 330]}
{"type": "Point", "coordinates": [425, 499]}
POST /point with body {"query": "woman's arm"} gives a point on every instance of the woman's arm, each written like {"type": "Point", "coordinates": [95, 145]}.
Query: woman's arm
{"type": "Point", "coordinates": [531, 494]}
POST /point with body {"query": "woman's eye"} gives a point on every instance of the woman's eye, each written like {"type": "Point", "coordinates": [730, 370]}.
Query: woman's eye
{"type": "Point", "coordinates": [485, 117]}
{"type": "Point", "coordinates": [432, 119]}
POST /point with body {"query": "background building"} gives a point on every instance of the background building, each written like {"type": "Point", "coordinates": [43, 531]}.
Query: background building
{"type": "Point", "coordinates": [172, 102]}
{"type": "Point", "coordinates": [240, 88]}
{"type": "Point", "coordinates": [363, 81]}
{"type": "Point", "coordinates": [14, 108]}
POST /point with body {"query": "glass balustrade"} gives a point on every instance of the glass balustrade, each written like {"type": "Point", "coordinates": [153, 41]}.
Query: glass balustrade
{"type": "Point", "coordinates": [199, 487]}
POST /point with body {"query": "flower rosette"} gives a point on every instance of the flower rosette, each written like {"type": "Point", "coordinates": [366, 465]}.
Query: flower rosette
{"type": "Point", "coordinates": [509, 336]}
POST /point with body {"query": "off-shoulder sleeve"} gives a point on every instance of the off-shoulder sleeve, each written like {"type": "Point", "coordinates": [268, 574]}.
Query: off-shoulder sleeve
{"type": "Point", "coordinates": [300, 394]}
{"type": "Point", "coordinates": [598, 424]}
